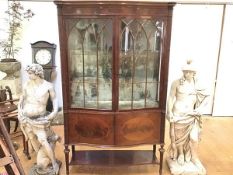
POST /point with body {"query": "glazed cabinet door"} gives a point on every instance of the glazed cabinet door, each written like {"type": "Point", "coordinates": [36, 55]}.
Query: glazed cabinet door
{"type": "Point", "coordinates": [139, 63]}
{"type": "Point", "coordinates": [90, 63]}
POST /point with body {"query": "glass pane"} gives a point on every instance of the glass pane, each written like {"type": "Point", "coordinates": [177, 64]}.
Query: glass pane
{"type": "Point", "coordinates": [152, 95]}
{"type": "Point", "coordinates": [77, 93]}
{"type": "Point", "coordinates": [105, 95]}
{"type": "Point", "coordinates": [90, 63]}
{"type": "Point", "coordinates": [90, 95]}
{"type": "Point", "coordinates": [139, 95]}
{"type": "Point", "coordinates": [139, 63]}
{"type": "Point", "coordinates": [125, 94]}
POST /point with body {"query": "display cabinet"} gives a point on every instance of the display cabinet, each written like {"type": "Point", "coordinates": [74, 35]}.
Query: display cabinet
{"type": "Point", "coordinates": [114, 58]}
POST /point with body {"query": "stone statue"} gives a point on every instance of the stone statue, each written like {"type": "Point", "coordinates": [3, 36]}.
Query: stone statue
{"type": "Point", "coordinates": [35, 121]}
{"type": "Point", "coordinates": [185, 104]}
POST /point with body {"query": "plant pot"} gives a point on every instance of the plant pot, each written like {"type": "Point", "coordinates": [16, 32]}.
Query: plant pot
{"type": "Point", "coordinates": [8, 60]}
{"type": "Point", "coordinates": [12, 69]}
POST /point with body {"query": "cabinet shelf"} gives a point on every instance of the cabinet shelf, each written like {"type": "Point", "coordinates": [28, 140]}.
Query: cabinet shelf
{"type": "Point", "coordinates": [114, 157]}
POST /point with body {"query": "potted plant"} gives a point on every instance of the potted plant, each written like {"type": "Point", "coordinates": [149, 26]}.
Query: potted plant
{"type": "Point", "coordinates": [16, 14]}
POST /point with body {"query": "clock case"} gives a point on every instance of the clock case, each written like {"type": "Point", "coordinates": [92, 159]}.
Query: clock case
{"type": "Point", "coordinates": [50, 66]}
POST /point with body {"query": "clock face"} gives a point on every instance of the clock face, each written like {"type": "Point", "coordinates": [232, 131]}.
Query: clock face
{"type": "Point", "coordinates": [43, 56]}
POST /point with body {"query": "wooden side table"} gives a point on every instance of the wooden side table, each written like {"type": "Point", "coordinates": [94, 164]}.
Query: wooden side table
{"type": "Point", "coordinates": [5, 110]}
{"type": "Point", "coordinates": [7, 153]}
{"type": "Point", "coordinates": [8, 111]}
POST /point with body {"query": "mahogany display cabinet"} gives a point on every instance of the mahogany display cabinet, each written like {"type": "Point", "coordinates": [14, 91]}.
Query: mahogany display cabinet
{"type": "Point", "coordinates": [114, 62]}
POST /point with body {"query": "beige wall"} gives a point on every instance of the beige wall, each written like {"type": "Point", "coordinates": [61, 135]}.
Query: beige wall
{"type": "Point", "coordinates": [223, 105]}
{"type": "Point", "coordinates": [195, 34]}
{"type": "Point", "coordinates": [43, 26]}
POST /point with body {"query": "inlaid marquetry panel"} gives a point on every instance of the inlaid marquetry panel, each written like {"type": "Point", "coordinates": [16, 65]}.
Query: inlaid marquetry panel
{"type": "Point", "coordinates": [137, 128]}
{"type": "Point", "coordinates": [91, 128]}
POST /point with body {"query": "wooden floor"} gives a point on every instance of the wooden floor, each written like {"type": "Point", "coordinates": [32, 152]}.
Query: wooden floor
{"type": "Point", "coordinates": [215, 150]}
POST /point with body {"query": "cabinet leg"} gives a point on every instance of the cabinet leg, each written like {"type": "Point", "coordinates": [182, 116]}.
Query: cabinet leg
{"type": "Point", "coordinates": [73, 151]}
{"type": "Point", "coordinates": [154, 153]}
{"type": "Point", "coordinates": [67, 151]}
{"type": "Point", "coordinates": [161, 150]}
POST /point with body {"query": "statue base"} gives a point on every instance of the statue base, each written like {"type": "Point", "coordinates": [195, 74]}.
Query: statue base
{"type": "Point", "coordinates": [189, 168]}
{"type": "Point", "coordinates": [36, 170]}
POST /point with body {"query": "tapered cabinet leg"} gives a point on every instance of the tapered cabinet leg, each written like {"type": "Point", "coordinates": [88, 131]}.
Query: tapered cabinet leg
{"type": "Point", "coordinates": [67, 151]}
{"type": "Point", "coordinates": [161, 150]}
{"type": "Point", "coordinates": [154, 153]}
{"type": "Point", "coordinates": [73, 151]}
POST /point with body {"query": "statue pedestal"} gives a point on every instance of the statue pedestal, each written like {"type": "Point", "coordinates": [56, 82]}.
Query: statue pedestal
{"type": "Point", "coordinates": [189, 168]}
{"type": "Point", "coordinates": [37, 170]}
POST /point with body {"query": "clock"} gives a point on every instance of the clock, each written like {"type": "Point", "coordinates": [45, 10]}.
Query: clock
{"type": "Point", "coordinates": [43, 53]}
{"type": "Point", "coordinates": [43, 56]}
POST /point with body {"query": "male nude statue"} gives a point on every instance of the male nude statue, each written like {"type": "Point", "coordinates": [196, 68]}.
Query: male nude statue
{"type": "Point", "coordinates": [184, 107]}
{"type": "Point", "coordinates": [35, 120]}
